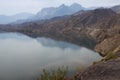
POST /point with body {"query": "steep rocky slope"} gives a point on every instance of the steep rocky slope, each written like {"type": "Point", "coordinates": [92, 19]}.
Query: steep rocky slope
{"type": "Point", "coordinates": [111, 40]}
{"type": "Point", "coordinates": [97, 29]}
{"type": "Point", "coordinates": [108, 70]}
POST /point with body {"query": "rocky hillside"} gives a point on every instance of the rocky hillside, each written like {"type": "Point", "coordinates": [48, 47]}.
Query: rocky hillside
{"type": "Point", "coordinates": [97, 29]}
{"type": "Point", "coordinates": [108, 70]}
{"type": "Point", "coordinates": [111, 38]}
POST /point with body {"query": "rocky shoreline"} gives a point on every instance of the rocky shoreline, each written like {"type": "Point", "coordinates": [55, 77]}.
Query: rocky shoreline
{"type": "Point", "coordinates": [98, 30]}
{"type": "Point", "coordinates": [106, 70]}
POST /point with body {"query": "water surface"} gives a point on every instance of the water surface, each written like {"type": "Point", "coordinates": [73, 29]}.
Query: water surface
{"type": "Point", "coordinates": [22, 57]}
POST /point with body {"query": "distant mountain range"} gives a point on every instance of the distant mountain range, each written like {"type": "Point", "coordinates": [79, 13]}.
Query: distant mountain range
{"type": "Point", "coordinates": [85, 28]}
{"type": "Point", "coordinates": [48, 13]}
{"type": "Point", "coordinates": [62, 10]}
{"type": "Point", "coordinates": [9, 19]}
{"type": "Point", "coordinates": [51, 12]}
{"type": "Point", "coordinates": [45, 13]}
{"type": "Point", "coordinates": [97, 29]}
{"type": "Point", "coordinates": [116, 8]}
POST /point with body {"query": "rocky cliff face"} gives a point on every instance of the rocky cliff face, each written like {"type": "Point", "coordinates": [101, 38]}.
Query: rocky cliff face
{"type": "Point", "coordinates": [111, 40]}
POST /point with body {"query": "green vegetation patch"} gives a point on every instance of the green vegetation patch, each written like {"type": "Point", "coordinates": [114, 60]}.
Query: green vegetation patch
{"type": "Point", "coordinates": [58, 74]}
{"type": "Point", "coordinates": [109, 56]}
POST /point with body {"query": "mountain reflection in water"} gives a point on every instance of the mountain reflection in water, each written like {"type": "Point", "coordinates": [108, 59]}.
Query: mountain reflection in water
{"type": "Point", "coordinates": [22, 57]}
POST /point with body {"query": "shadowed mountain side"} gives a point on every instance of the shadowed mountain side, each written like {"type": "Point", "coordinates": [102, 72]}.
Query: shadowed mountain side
{"type": "Point", "coordinates": [47, 42]}
{"type": "Point", "coordinates": [97, 29]}
{"type": "Point", "coordinates": [87, 28]}
{"type": "Point", "coordinates": [116, 8]}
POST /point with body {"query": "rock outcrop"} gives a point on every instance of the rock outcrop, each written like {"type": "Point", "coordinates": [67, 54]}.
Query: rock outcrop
{"type": "Point", "coordinates": [108, 70]}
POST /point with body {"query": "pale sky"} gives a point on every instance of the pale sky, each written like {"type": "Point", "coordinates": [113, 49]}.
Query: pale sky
{"type": "Point", "coordinates": [10, 7]}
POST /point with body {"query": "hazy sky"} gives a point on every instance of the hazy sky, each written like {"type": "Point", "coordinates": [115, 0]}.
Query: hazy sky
{"type": "Point", "coordinates": [10, 7]}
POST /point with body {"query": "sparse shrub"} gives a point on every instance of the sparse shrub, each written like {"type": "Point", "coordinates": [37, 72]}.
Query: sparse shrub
{"type": "Point", "coordinates": [58, 74]}
{"type": "Point", "coordinates": [109, 56]}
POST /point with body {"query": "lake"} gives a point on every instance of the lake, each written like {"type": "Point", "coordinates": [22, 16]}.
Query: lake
{"type": "Point", "coordinates": [23, 57]}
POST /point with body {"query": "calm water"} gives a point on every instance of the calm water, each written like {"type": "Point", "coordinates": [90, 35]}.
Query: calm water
{"type": "Point", "coordinates": [22, 57]}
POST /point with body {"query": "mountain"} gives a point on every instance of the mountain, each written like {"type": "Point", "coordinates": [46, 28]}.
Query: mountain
{"type": "Point", "coordinates": [97, 29]}
{"type": "Point", "coordinates": [62, 10]}
{"type": "Point", "coordinates": [9, 19]}
{"type": "Point", "coordinates": [116, 8]}
{"type": "Point", "coordinates": [91, 29]}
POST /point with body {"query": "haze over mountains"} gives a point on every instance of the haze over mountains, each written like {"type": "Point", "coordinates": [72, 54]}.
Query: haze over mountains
{"type": "Point", "coordinates": [45, 13]}
{"type": "Point", "coordinates": [73, 24]}
{"type": "Point", "coordinates": [9, 19]}
{"type": "Point", "coordinates": [84, 28]}
{"type": "Point", "coordinates": [116, 8]}
{"type": "Point", "coordinates": [62, 10]}
{"type": "Point", "coordinates": [97, 29]}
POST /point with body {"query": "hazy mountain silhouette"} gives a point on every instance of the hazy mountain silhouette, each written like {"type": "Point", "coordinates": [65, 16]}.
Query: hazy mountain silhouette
{"type": "Point", "coordinates": [51, 12]}
{"type": "Point", "coordinates": [116, 8]}
{"type": "Point", "coordinates": [47, 13]}
{"type": "Point", "coordinates": [9, 19]}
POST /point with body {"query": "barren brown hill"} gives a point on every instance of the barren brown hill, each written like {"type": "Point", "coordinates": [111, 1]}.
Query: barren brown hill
{"type": "Point", "coordinates": [98, 30]}
{"type": "Point", "coordinates": [93, 29]}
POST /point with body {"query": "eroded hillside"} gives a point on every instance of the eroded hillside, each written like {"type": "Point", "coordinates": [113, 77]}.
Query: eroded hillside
{"type": "Point", "coordinates": [95, 29]}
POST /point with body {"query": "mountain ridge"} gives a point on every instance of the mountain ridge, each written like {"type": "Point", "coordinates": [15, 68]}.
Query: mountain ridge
{"type": "Point", "coordinates": [62, 10]}
{"type": "Point", "coordinates": [9, 19]}
{"type": "Point", "coordinates": [116, 8]}
{"type": "Point", "coordinates": [88, 29]}
{"type": "Point", "coordinates": [97, 29]}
